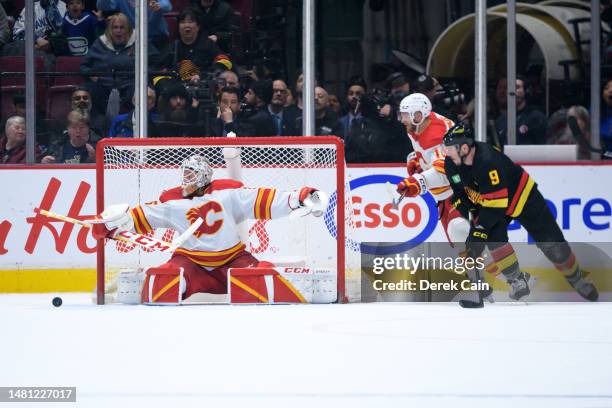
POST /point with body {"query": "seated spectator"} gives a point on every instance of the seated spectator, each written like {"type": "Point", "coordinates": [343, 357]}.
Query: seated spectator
{"type": "Point", "coordinates": [334, 104]}
{"type": "Point", "coordinates": [158, 28]}
{"type": "Point", "coordinates": [257, 99]}
{"type": "Point", "coordinates": [230, 78]}
{"type": "Point", "coordinates": [326, 122]}
{"type": "Point", "coordinates": [284, 120]}
{"type": "Point", "coordinates": [228, 116]}
{"type": "Point", "coordinates": [5, 33]}
{"type": "Point", "coordinates": [49, 40]}
{"type": "Point", "coordinates": [123, 125]}
{"type": "Point", "coordinates": [19, 109]}
{"type": "Point", "coordinates": [177, 111]}
{"type": "Point", "coordinates": [13, 143]}
{"type": "Point", "coordinates": [606, 116]}
{"type": "Point", "coordinates": [81, 27]}
{"type": "Point", "coordinates": [356, 89]}
{"type": "Point", "coordinates": [193, 54]}
{"type": "Point", "coordinates": [81, 100]}
{"type": "Point", "coordinates": [218, 21]}
{"type": "Point", "coordinates": [559, 131]}
{"type": "Point", "coordinates": [530, 123]}
{"type": "Point", "coordinates": [77, 143]}
{"type": "Point", "coordinates": [112, 52]}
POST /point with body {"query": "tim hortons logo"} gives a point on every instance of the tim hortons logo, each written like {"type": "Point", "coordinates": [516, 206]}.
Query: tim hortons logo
{"type": "Point", "coordinates": [40, 222]}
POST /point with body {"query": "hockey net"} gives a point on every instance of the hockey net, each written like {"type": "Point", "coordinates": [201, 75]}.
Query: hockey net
{"type": "Point", "coordinates": [136, 171]}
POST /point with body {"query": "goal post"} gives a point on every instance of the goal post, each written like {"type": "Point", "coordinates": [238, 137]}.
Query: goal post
{"type": "Point", "coordinates": [136, 171]}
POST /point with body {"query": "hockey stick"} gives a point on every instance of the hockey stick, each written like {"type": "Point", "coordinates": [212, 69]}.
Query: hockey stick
{"type": "Point", "coordinates": [128, 236]}
{"type": "Point", "coordinates": [391, 192]}
{"type": "Point", "coordinates": [583, 143]}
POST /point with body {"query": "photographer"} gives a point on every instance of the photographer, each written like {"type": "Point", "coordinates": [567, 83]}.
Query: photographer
{"type": "Point", "coordinates": [255, 111]}
{"type": "Point", "coordinates": [446, 100]}
{"type": "Point", "coordinates": [380, 137]}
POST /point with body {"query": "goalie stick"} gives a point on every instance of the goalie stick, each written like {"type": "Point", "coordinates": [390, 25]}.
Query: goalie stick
{"type": "Point", "coordinates": [395, 202]}
{"type": "Point", "coordinates": [128, 236]}
{"type": "Point", "coordinates": [583, 143]}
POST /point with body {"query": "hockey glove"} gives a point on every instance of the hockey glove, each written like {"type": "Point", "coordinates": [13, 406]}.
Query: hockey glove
{"type": "Point", "coordinates": [412, 186]}
{"type": "Point", "coordinates": [413, 164]}
{"type": "Point", "coordinates": [313, 199]}
{"type": "Point", "coordinates": [112, 218]}
{"type": "Point", "coordinates": [476, 241]}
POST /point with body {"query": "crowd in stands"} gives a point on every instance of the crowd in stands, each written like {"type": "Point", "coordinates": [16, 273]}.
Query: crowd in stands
{"type": "Point", "coordinates": [194, 89]}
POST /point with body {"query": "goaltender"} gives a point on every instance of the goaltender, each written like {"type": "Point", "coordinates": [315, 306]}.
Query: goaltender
{"type": "Point", "coordinates": [491, 190]}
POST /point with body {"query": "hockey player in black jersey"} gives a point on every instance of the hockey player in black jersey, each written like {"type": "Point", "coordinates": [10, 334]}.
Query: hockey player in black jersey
{"type": "Point", "coordinates": [491, 190]}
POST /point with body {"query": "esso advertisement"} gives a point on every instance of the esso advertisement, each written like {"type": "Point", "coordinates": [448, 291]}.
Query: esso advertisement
{"type": "Point", "coordinates": [376, 220]}
{"type": "Point", "coordinates": [578, 196]}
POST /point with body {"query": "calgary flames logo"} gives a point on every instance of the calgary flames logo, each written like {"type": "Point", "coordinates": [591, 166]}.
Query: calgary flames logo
{"type": "Point", "coordinates": [203, 212]}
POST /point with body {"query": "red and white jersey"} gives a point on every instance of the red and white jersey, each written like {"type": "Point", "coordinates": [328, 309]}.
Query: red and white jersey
{"type": "Point", "coordinates": [429, 151]}
{"type": "Point", "coordinates": [224, 205]}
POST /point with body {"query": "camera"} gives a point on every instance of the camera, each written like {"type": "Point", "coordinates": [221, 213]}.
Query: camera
{"type": "Point", "coordinates": [448, 96]}
{"type": "Point", "coordinates": [373, 101]}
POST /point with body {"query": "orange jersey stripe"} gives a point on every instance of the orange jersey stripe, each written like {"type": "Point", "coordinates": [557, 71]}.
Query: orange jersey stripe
{"type": "Point", "coordinates": [439, 190]}
{"type": "Point", "coordinates": [520, 197]}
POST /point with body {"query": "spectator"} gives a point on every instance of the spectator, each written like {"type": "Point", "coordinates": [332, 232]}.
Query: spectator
{"type": "Point", "coordinates": [228, 119]}
{"type": "Point", "coordinates": [289, 101]}
{"type": "Point", "coordinates": [13, 144]}
{"type": "Point", "coordinates": [530, 123]}
{"type": "Point", "coordinates": [5, 33]}
{"type": "Point", "coordinates": [158, 28]}
{"type": "Point", "coordinates": [230, 78]}
{"type": "Point", "coordinates": [218, 21]}
{"type": "Point", "coordinates": [81, 27]}
{"type": "Point", "coordinates": [81, 100]}
{"type": "Point", "coordinates": [49, 40]}
{"type": "Point", "coordinates": [77, 144]}
{"type": "Point", "coordinates": [193, 54]}
{"type": "Point", "coordinates": [334, 104]}
{"type": "Point", "coordinates": [123, 125]}
{"type": "Point", "coordinates": [559, 131]}
{"type": "Point", "coordinates": [606, 116]}
{"type": "Point", "coordinates": [326, 122]}
{"type": "Point", "coordinates": [111, 52]}
{"type": "Point", "coordinates": [356, 89]}
{"type": "Point", "coordinates": [257, 98]}
{"type": "Point", "coordinates": [177, 111]}
{"type": "Point", "coordinates": [284, 119]}
{"type": "Point", "coordinates": [399, 87]}
{"type": "Point", "coordinates": [19, 109]}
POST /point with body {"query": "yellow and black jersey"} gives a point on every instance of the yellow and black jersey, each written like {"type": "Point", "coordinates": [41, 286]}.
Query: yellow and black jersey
{"type": "Point", "coordinates": [496, 185]}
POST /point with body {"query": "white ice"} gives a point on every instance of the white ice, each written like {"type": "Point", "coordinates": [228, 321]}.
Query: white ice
{"type": "Point", "coordinates": [356, 355]}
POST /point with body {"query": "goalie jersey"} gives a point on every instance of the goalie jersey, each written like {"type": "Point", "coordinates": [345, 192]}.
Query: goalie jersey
{"type": "Point", "coordinates": [429, 152]}
{"type": "Point", "coordinates": [224, 205]}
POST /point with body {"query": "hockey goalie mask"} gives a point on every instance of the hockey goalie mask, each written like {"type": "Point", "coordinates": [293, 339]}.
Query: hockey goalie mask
{"type": "Point", "coordinates": [195, 174]}
{"type": "Point", "coordinates": [415, 108]}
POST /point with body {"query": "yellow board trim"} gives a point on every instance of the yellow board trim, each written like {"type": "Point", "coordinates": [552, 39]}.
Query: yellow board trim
{"type": "Point", "coordinates": [248, 289]}
{"type": "Point", "coordinates": [291, 288]}
{"type": "Point", "coordinates": [47, 280]}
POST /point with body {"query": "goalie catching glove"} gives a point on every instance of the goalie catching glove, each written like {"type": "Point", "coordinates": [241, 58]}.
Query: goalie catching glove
{"type": "Point", "coordinates": [309, 201]}
{"type": "Point", "coordinates": [112, 218]}
{"type": "Point", "coordinates": [412, 186]}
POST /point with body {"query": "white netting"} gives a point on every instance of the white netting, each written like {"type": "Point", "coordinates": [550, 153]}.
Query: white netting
{"type": "Point", "coordinates": [137, 174]}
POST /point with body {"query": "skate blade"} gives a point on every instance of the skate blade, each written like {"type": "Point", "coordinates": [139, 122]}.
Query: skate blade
{"type": "Point", "coordinates": [532, 282]}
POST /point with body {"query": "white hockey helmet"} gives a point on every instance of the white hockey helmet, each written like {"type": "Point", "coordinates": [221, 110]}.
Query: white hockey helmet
{"type": "Point", "coordinates": [413, 103]}
{"type": "Point", "coordinates": [195, 174]}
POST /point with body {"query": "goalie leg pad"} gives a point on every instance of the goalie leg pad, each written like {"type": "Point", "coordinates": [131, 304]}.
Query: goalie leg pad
{"type": "Point", "coordinates": [163, 286]}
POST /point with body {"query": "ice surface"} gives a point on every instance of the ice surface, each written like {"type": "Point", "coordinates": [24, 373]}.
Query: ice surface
{"type": "Point", "coordinates": [356, 355]}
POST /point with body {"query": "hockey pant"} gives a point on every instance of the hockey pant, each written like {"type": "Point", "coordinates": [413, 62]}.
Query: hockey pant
{"type": "Point", "coordinates": [540, 223]}
{"type": "Point", "coordinates": [455, 226]}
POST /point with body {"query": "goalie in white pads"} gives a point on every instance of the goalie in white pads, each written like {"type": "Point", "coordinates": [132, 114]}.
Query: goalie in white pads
{"type": "Point", "coordinates": [201, 263]}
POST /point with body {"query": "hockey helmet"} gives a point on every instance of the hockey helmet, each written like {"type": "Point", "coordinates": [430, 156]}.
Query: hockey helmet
{"type": "Point", "coordinates": [195, 173]}
{"type": "Point", "coordinates": [458, 135]}
{"type": "Point", "coordinates": [414, 103]}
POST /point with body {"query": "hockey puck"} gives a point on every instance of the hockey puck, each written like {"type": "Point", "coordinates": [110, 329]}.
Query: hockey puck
{"type": "Point", "coordinates": [57, 301]}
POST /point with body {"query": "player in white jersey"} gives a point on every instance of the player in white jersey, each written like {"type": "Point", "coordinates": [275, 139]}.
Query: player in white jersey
{"type": "Point", "coordinates": [216, 245]}
{"type": "Point", "coordinates": [426, 130]}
